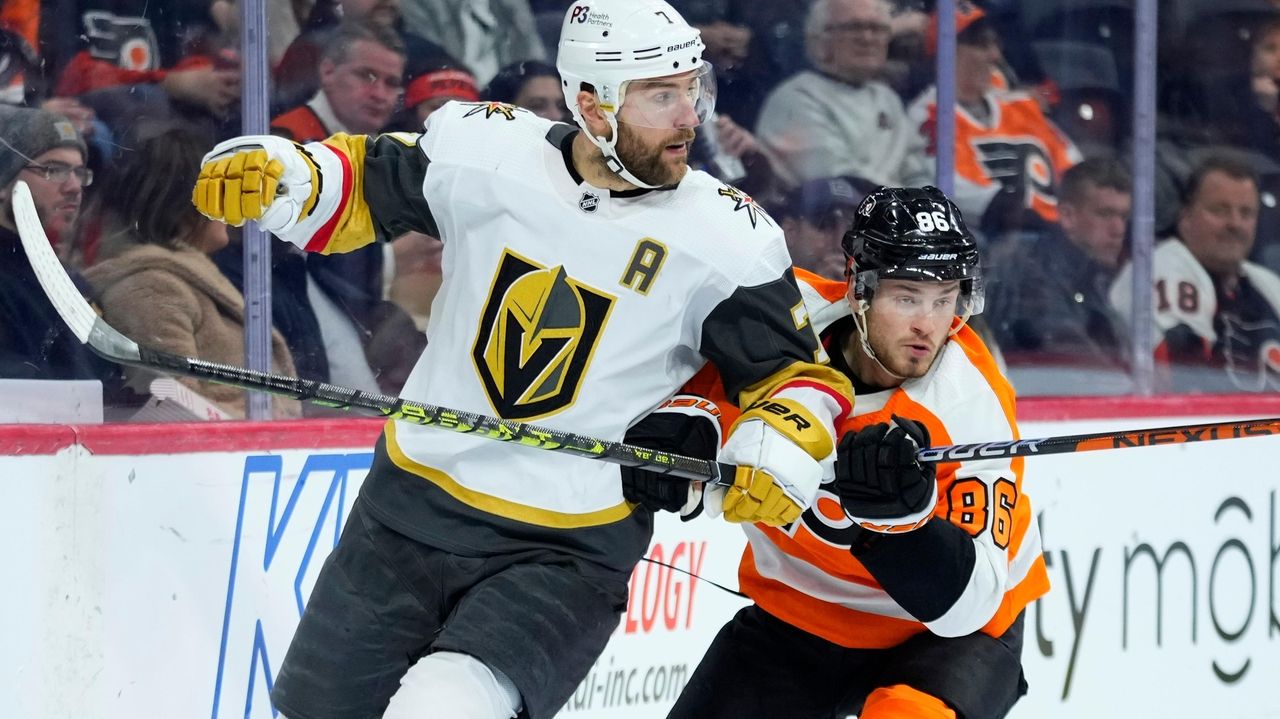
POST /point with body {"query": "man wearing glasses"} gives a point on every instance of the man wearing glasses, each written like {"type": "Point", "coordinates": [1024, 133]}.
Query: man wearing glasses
{"type": "Point", "coordinates": [839, 119]}
{"type": "Point", "coordinates": [360, 74]}
{"type": "Point", "coordinates": [45, 151]}
{"type": "Point", "coordinates": [361, 78]}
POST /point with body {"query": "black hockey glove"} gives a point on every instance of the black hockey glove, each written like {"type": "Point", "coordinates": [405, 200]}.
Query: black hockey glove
{"type": "Point", "coordinates": [881, 484]}
{"type": "Point", "coordinates": [686, 425]}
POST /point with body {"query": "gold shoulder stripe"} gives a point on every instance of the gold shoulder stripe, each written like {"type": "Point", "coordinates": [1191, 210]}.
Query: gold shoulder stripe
{"type": "Point", "coordinates": [354, 226]}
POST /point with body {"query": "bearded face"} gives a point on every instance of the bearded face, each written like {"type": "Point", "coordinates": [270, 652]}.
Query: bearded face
{"type": "Point", "coordinates": [656, 157]}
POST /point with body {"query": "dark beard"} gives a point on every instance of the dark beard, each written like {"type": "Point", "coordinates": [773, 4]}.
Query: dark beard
{"type": "Point", "coordinates": [645, 163]}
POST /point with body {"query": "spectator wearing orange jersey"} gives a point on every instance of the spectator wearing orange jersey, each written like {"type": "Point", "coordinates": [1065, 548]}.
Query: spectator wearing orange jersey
{"type": "Point", "coordinates": [1009, 157]}
{"type": "Point", "coordinates": [361, 80]}
{"type": "Point", "coordinates": [143, 46]}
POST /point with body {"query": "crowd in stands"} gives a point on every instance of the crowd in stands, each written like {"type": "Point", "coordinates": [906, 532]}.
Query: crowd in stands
{"type": "Point", "coordinates": [820, 101]}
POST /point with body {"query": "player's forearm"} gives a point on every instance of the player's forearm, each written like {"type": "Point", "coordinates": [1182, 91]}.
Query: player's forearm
{"type": "Point", "coordinates": [939, 574]}
{"type": "Point", "coordinates": [925, 571]}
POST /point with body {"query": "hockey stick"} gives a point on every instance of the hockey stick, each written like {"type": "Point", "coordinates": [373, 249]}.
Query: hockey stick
{"type": "Point", "coordinates": [105, 340]}
{"type": "Point", "coordinates": [1119, 439]}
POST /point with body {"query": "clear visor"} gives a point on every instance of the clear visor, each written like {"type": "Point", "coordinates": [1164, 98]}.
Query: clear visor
{"type": "Point", "coordinates": [919, 298]}
{"type": "Point", "coordinates": [671, 102]}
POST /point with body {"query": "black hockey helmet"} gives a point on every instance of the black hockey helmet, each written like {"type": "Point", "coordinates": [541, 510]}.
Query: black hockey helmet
{"type": "Point", "coordinates": [912, 233]}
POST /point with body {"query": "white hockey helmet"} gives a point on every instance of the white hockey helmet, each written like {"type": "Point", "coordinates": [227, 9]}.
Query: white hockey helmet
{"type": "Point", "coordinates": [609, 43]}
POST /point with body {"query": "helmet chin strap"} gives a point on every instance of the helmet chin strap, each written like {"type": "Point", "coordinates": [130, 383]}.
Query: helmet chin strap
{"type": "Point", "coordinates": [860, 321]}
{"type": "Point", "coordinates": [611, 159]}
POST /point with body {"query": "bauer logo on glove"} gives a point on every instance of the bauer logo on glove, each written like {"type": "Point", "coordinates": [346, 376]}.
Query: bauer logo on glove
{"type": "Point", "coordinates": [779, 446]}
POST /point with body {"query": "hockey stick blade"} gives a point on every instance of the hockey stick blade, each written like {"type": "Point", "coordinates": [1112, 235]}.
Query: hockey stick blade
{"type": "Point", "coordinates": [106, 341]}
{"type": "Point", "coordinates": [1121, 439]}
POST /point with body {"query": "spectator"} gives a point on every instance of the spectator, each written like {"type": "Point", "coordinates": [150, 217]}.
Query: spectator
{"type": "Point", "coordinates": [21, 74]}
{"type": "Point", "coordinates": [430, 90]}
{"type": "Point", "coordinates": [814, 219]}
{"type": "Point", "coordinates": [1008, 156]}
{"type": "Point", "coordinates": [533, 85]}
{"type": "Point", "coordinates": [1216, 76]}
{"type": "Point", "coordinates": [415, 288]}
{"type": "Point", "coordinates": [139, 59]}
{"type": "Point", "coordinates": [342, 296]}
{"type": "Point", "coordinates": [753, 46]}
{"type": "Point", "coordinates": [1049, 308]}
{"type": "Point", "coordinates": [1214, 309]}
{"type": "Point", "coordinates": [839, 119]}
{"type": "Point", "coordinates": [731, 154]}
{"type": "Point", "coordinates": [361, 77]}
{"type": "Point", "coordinates": [484, 35]}
{"type": "Point", "coordinates": [164, 290]}
{"type": "Point", "coordinates": [1244, 108]}
{"type": "Point", "coordinates": [43, 150]}
{"type": "Point", "coordinates": [282, 22]}
{"type": "Point", "coordinates": [296, 76]}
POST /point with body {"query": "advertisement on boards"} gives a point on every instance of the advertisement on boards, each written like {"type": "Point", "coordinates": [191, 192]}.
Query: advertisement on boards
{"type": "Point", "coordinates": [170, 584]}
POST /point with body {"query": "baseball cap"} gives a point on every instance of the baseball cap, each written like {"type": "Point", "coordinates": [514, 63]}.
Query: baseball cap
{"type": "Point", "coordinates": [968, 16]}
{"type": "Point", "coordinates": [449, 82]}
{"type": "Point", "coordinates": [826, 199]}
{"type": "Point", "coordinates": [26, 133]}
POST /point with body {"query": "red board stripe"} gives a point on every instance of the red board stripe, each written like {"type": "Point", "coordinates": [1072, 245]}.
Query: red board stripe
{"type": "Point", "coordinates": [186, 438]}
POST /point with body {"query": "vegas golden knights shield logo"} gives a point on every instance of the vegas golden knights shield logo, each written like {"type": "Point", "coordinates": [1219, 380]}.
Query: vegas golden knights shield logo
{"type": "Point", "coordinates": [536, 337]}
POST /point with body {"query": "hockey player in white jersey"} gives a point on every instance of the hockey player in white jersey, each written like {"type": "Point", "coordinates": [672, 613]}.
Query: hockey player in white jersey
{"type": "Point", "coordinates": [588, 274]}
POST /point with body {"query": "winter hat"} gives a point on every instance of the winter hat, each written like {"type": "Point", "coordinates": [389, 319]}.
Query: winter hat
{"type": "Point", "coordinates": [25, 134]}
{"type": "Point", "coordinates": [452, 83]}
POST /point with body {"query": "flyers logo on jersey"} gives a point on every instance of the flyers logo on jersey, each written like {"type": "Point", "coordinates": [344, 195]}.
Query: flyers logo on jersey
{"type": "Point", "coordinates": [536, 338]}
{"type": "Point", "coordinates": [502, 109]}
{"type": "Point", "coordinates": [1014, 161]}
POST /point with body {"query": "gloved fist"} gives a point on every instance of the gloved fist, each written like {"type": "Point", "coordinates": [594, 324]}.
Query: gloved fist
{"type": "Point", "coordinates": [257, 177]}
{"type": "Point", "coordinates": [757, 497]}
{"type": "Point", "coordinates": [686, 425]}
{"type": "Point", "coordinates": [881, 484]}
{"type": "Point", "coordinates": [779, 447]}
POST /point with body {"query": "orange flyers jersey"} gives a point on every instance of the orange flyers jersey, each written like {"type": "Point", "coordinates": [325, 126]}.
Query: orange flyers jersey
{"type": "Point", "coordinates": [805, 574]}
{"type": "Point", "coordinates": [1017, 140]}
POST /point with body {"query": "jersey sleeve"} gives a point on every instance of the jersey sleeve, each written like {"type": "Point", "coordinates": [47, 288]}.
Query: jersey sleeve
{"type": "Point", "coordinates": [371, 189]}
{"type": "Point", "coordinates": [761, 341]}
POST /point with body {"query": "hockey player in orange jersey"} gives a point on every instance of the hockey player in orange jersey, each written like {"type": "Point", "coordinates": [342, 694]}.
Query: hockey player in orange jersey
{"type": "Point", "coordinates": [900, 591]}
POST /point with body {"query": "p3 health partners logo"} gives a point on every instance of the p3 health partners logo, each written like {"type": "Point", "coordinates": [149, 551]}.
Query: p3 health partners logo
{"type": "Point", "coordinates": [285, 527]}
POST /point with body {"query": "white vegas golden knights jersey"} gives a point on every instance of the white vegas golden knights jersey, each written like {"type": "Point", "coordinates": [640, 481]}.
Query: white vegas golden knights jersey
{"type": "Point", "coordinates": [562, 305]}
